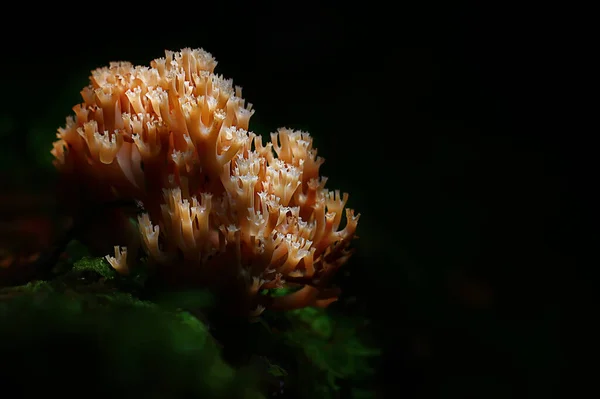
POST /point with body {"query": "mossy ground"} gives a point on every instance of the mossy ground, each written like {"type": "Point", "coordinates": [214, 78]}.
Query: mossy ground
{"type": "Point", "coordinates": [87, 333]}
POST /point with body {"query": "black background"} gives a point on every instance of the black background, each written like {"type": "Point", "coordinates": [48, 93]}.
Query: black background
{"type": "Point", "coordinates": [441, 121]}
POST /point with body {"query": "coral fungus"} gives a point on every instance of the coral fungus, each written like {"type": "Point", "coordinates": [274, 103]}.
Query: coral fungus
{"type": "Point", "coordinates": [221, 209]}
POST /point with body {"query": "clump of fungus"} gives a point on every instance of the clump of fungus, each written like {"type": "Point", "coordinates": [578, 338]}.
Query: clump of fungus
{"type": "Point", "coordinates": [221, 209]}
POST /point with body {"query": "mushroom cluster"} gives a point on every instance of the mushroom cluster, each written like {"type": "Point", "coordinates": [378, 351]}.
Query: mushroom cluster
{"type": "Point", "coordinates": [221, 208]}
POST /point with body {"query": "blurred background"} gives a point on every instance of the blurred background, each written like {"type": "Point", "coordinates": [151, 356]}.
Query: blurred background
{"type": "Point", "coordinates": [434, 119]}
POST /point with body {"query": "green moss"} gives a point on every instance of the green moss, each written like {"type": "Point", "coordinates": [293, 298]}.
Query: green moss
{"type": "Point", "coordinates": [88, 320]}
{"type": "Point", "coordinates": [331, 343]}
{"type": "Point", "coordinates": [318, 321]}
{"type": "Point", "coordinates": [111, 345]}
{"type": "Point", "coordinates": [332, 351]}
{"type": "Point", "coordinates": [276, 371]}
{"type": "Point", "coordinates": [95, 265]}
{"type": "Point", "coordinates": [38, 286]}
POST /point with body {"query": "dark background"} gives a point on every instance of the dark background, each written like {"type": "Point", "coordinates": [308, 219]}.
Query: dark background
{"type": "Point", "coordinates": [440, 121]}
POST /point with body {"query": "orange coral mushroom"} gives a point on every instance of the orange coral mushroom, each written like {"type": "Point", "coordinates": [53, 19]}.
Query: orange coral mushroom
{"type": "Point", "coordinates": [222, 208]}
